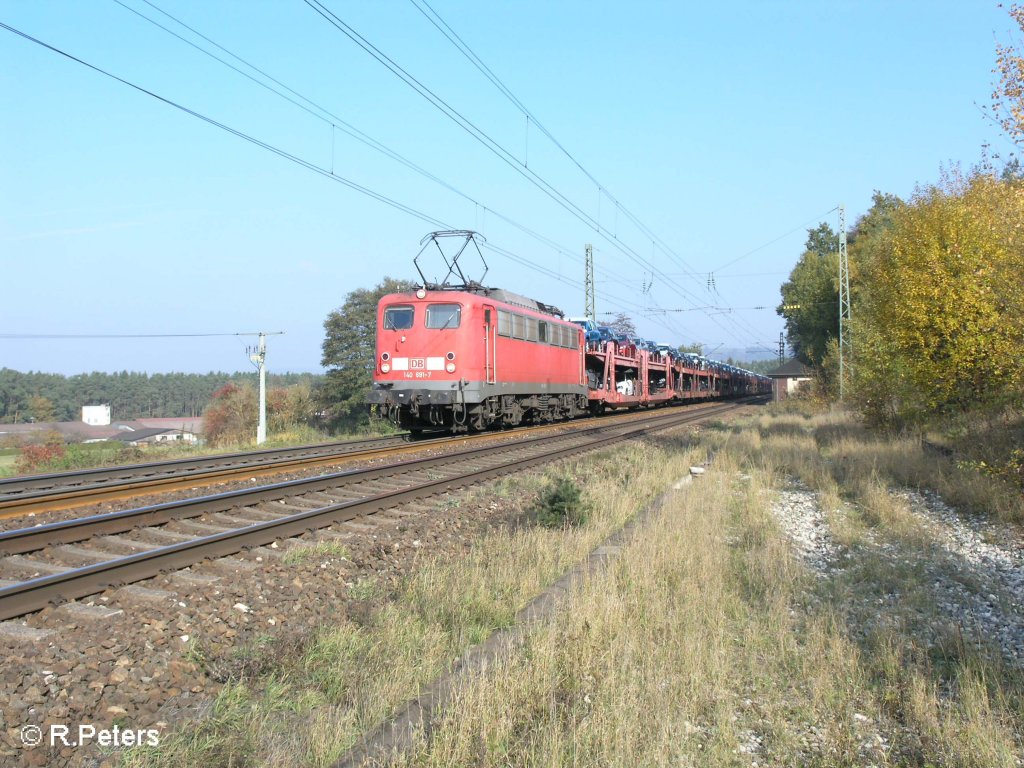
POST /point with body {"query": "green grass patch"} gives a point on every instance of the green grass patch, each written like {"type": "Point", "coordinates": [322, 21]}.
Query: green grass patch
{"type": "Point", "coordinates": [320, 550]}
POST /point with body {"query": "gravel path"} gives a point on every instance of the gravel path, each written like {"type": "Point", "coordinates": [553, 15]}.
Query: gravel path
{"type": "Point", "coordinates": [977, 573]}
{"type": "Point", "coordinates": [975, 568]}
{"type": "Point", "coordinates": [803, 521]}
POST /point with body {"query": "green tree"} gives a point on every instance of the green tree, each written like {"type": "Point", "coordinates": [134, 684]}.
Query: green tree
{"type": "Point", "coordinates": [822, 239]}
{"type": "Point", "coordinates": [348, 352]}
{"type": "Point", "coordinates": [872, 224]}
{"type": "Point", "coordinates": [810, 298]}
{"type": "Point", "coordinates": [863, 240]}
{"type": "Point", "coordinates": [42, 409]}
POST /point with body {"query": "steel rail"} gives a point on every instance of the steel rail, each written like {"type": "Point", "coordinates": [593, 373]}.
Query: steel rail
{"type": "Point", "coordinates": [15, 490]}
{"type": "Point", "coordinates": [22, 540]}
{"type": "Point", "coordinates": [34, 594]}
{"type": "Point", "coordinates": [44, 493]}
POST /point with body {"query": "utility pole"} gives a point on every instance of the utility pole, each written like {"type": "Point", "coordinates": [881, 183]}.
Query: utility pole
{"type": "Point", "coordinates": [259, 358]}
{"type": "Point", "coordinates": [845, 345]}
{"type": "Point", "coordinates": [590, 310]}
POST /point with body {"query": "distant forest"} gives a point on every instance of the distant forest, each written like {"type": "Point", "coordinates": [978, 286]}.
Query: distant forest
{"type": "Point", "coordinates": [54, 397]}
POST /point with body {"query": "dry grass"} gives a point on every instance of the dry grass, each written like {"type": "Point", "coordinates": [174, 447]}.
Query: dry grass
{"type": "Point", "coordinates": [830, 450]}
{"type": "Point", "coordinates": [707, 642]}
{"type": "Point", "coordinates": [989, 441]}
{"type": "Point", "coordinates": [352, 676]}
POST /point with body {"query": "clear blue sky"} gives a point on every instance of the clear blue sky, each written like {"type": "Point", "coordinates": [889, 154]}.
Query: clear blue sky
{"type": "Point", "coordinates": [720, 126]}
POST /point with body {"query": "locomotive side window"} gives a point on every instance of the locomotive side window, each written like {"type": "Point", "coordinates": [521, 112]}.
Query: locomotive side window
{"type": "Point", "coordinates": [398, 318]}
{"type": "Point", "coordinates": [518, 326]}
{"type": "Point", "coordinates": [443, 316]}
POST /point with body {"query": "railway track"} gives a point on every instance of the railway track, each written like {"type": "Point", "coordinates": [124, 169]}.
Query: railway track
{"type": "Point", "coordinates": [34, 494]}
{"type": "Point", "coordinates": [66, 490]}
{"type": "Point", "coordinates": [75, 558]}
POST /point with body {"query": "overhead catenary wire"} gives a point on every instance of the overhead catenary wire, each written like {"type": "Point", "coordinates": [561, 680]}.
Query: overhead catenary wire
{"type": "Point", "coordinates": [487, 141]}
{"type": "Point", "coordinates": [334, 119]}
{"type": "Point", "coordinates": [751, 252]}
{"type": "Point", "coordinates": [453, 37]}
{"type": "Point", "coordinates": [328, 173]}
{"type": "Point", "coordinates": [329, 117]}
{"type": "Point", "coordinates": [235, 132]}
{"type": "Point", "coordinates": [409, 210]}
{"type": "Point", "coordinates": [132, 335]}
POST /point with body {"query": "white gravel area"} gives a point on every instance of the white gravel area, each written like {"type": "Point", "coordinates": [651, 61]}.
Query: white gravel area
{"type": "Point", "coordinates": [978, 572]}
{"type": "Point", "coordinates": [803, 521]}
{"type": "Point", "coordinates": [975, 568]}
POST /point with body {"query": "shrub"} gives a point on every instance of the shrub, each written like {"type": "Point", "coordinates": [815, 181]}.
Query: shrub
{"type": "Point", "coordinates": [561, 505]}
{"type": "Point", "coordinates": [40, 457]}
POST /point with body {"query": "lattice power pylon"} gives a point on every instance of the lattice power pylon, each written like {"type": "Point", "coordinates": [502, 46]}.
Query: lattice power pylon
{"type": "Point", "coordinates": [590, 309]}
{"type": "Point", "coordinates": [845, 345]}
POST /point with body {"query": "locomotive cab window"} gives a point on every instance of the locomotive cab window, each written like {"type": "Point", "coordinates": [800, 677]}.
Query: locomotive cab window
{"type": "Point", "coordinates": [398, 318]}
{"type": "Point", "coordinates": [443, 316]}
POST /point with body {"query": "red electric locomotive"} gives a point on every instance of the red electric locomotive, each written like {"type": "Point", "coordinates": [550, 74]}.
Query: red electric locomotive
{"type": "Point", "coordinates": [473, 357]}
{"type": "Point", "coordinates": [462, 357]}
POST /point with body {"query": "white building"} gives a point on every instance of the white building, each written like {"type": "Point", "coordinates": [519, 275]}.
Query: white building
{"type": "Point", "coordinates": [96, 415]}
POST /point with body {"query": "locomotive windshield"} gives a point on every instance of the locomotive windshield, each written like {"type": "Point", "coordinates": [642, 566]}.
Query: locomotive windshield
{"type": "Point", "coordinates": [398, 318]}
{"type": "Point", "coordinates": [443, 315]}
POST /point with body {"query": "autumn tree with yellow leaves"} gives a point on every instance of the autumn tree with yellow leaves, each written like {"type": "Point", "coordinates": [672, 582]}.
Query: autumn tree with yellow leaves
{"type": "Point", "coordinates": [1008, 96]}
{"type": "Point", "coordinates": [940, 317]}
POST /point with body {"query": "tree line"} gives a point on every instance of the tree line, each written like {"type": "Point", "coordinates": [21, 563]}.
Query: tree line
{"type": "Point", "coordinates": [37, 396]}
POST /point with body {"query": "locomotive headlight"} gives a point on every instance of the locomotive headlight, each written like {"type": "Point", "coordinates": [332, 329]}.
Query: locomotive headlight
{"type": "Point", "coordinates": [450, 356]}
{"type": "Point", "coordinates": [384, 368]}
{"type": "Point", "coordinates": [420, 293]}
{"type": "Point", "coordinates": [450, 367]}
{"type": "Point", "coordinates": [385, 356]}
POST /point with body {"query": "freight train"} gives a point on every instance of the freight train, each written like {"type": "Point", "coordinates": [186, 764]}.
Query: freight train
{"type": "Point", "coordinates": [465, 358]}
